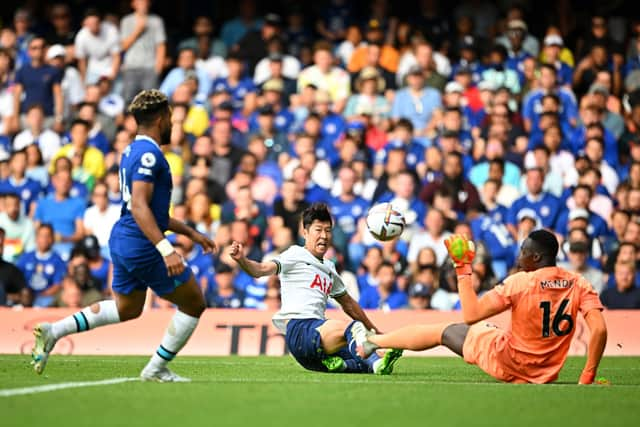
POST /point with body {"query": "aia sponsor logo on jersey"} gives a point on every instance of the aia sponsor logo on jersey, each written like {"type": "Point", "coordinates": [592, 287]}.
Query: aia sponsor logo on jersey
{"type": "Point", "coordinates": [322, 284]}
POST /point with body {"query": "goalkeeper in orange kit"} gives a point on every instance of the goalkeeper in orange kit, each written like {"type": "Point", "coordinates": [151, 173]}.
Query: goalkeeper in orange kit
{"type": "Point", "coordinates": [544, 301]}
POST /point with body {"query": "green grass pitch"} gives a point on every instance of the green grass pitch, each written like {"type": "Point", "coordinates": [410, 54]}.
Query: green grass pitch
{"type": "Point", "coordinates": [268, 391]}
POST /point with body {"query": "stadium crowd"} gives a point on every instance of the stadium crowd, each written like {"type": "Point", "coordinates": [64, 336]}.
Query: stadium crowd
{"type": "Point", "coordinates": [463, 119]}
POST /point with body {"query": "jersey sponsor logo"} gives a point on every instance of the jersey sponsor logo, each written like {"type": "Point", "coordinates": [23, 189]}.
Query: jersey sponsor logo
{"type": "Point", "coordinates": [322, 284]}
{"type": "Point", "coordinates": [145, 171]}
{"type": "Point", "coordinates": [148, 159]}
{"type": "Point", "coordinates": [556, 284]}
{"type": "Point", "coordinates": [545, 210]}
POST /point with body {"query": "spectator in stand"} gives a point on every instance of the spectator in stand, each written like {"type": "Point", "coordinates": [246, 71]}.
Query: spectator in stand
{"type": "Point", "coordinates": [89, 158]}
{"type": "Point", "coordinates": [12, 282]}
{"type": "Point", "coordinates": [223, 294]}
{"type": "Point", "coordinates": [387, 57]}
{"type": "Point", "coordinates": [246, 20]}
{"type": "Point", "coordinates": [97, 138]}
{"type": "Point", "coordinates": [39, 83]}
{"type": "Point", "coordinates": [386, 296]}
{"type": "Point", "coordinates": [63, 32]}
{"type": "Point", "coordinates": [578, 263]}
{"type": "Point", "coordinates": [546, 206]}
{"type": "Point", "coordinates": [186, 66]}
{"type": "Point", "coordinates": [35, 132]}
{"type": "Point", "coordinates": [97, 48]}
{"type": "Point", "coordinates": [203, 41]}
{"type": "Point", "coordinates": [143, 42]}
{"type": "Point", "coordinates": [18, 231]}
{"type": "Point", "coordinates": [63, 212]}
{"type": "Point", "coordinates": [326, 77]}
{"type": "Point", "coordinates": [466, 197]}
{"type": "Point", "coordinates": [100, 217]}
{"type": "Point", "coordinates": [626, 293]}
{"type": "Point", "coordinates": [417, 103]}
{"type": "Point", "coordinates": [432, 237]}
{"type": "Point", "coordinates": [18, 183]}
{"type": "Point", "coordinates": [43, 269]}
{"type": "Point", "coordinates": [252, 47]}
{"type": "Point", "coordinates": [238, 84]}
{"type": "Point", "coordinates": [73, 90]}
{"type": "Point", "coordinates": [22, 23]}
{"type": "Point", "coordinates": [551, 54]}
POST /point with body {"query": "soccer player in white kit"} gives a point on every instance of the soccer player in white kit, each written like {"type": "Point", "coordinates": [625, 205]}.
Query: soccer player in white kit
{"type": "Point", "coordinates": [307, 280]}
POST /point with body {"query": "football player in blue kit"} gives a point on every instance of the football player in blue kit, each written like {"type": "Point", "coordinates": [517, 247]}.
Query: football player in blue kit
{"type": "Point", "coordinates": [142, 256]}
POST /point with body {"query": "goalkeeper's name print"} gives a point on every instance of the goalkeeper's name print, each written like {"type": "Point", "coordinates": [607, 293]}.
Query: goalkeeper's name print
{"type": "Point", "coordinates": [556, 284]}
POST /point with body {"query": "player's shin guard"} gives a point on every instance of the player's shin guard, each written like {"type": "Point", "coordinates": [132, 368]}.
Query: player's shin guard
{"type": "Point", "coordinates": [180, 329]}
{"type": "Point", "coordinates": [86, 319]}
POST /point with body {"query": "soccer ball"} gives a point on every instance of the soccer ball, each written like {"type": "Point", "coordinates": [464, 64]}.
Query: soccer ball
{"type": "Point", "coordinates": [385, 222]}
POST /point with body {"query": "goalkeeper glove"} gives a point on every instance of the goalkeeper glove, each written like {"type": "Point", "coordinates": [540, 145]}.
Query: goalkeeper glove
{"type": "Point", "coordinates": [462, 251]}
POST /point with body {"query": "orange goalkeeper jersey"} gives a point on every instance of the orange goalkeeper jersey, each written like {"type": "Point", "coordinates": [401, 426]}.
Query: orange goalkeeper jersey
{"type": "Point", "coordinates": [544, 308]}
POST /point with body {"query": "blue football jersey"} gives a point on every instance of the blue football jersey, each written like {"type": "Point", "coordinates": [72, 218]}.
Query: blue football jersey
{"type": "Point", "coordinates": [143, 160]}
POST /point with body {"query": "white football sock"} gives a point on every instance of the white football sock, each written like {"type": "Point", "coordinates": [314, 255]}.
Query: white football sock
{"type": "Point", "coordinates": [86, 319]}
{"type": "Point", "coordinates": [180, 329]}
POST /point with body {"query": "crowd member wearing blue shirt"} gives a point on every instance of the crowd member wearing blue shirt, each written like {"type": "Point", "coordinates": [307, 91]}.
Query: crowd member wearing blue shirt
{"type": "Point", "coordinates": [532, 106]}
{"type": "Point", "coordinates": [595, 225]}
{"type": "Point", "coordinates": [186, 67]}
{"type": "Point", "coordinates": [27, 189]}
{"type": "Point", "coordinates": [402, 139]}
{"type": "Point", "coordinates": [97, 138]}
{"type": "Point", "coordinates": [546, 206]}
{"type": "Point", "coordinates": [43, 268]}
{"type": "Point", "coordinates": [241, 87]}
{"type": "Point", "coordinates": [63, 212]}
{"type": "Point", "coordinates": [39, 83]}
{"type": "Point", "coordinates": [222, 293]}
{"type": "Point", "coordinates": [553, 44]}
{"type": "Point", "coordinates": [347, 208]}
{"type": "Point", "coordinates": [386, 295]}
{"type": "Point", "coordinates": [416, 102]}
{"type": "Point", "coordinates": [201, 263]}
{"type": "Point", "coordinates": [233, 30]}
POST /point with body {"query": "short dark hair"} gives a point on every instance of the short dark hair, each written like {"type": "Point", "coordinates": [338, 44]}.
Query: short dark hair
{"type": "Point", "coordinates": [148, 105]}
{"type": "Point", "coordinates": [583, 187]}
{"type": "Point", "coordinates": [404, 123]}
{"type": "Point", "coordinates": [316, 212]}
{"type": "Point", "coordinates": [82, 122]}
{"type": "Point", "coordinates": [546, 243]}
{"type": "Point", "coordinates": [47, 226]}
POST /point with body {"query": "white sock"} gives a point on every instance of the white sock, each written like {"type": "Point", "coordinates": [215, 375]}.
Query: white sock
{"type": "Point", "coordinates": [177, 334]}
{"type": "Point", "coordinates": [86, 319]}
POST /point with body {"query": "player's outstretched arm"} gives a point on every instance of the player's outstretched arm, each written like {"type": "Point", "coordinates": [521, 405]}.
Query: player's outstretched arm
{"type": "Point", "coordinates": [462, 251]}
{"type": "Point", "coordinates": [141, 192]}
{"type": "Point", "coordinates": [353, 310]}
{"type": "Point", "coordinates": [597, 342]}
{"type": "Point", "coordinates": [253, 268]}
{"type": "Point", "coordinates": [181, 228]}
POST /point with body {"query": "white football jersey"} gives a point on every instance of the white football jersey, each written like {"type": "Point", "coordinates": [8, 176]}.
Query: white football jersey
{"type": "Point", "coordinates": [306, 282]}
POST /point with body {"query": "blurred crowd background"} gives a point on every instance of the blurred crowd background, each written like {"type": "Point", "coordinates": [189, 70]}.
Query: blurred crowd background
{"type": "Point", "coordinates": [486, 118]}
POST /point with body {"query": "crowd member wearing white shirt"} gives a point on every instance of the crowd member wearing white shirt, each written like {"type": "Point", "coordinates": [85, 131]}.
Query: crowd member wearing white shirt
{"type": "Point", "coordinates": [97, 48]}
{"type": "Point", "coordinates": [307, 281]}
{"type": "Point", "coordinates": [101, 216]}
{"type": "Point", "coordinates": [326, 77]}
{"type": "Point", "coordinates": [47, 140]}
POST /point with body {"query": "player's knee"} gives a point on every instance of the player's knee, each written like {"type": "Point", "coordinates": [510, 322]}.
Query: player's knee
{"type": "Point", "coordinates": [129, 313]}
{"type": "Point", "coordinates": [453, 337]}
{"type": "Point", "coordinates": [195, 308]}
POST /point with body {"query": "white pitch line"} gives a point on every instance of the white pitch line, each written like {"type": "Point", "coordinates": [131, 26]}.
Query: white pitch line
{"type": "Point", "coordinates": [61, 386]}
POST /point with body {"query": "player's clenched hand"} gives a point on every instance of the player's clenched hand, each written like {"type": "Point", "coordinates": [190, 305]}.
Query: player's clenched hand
{"type": "Point", "coordinates": [174, 263]}
{"type": "Point", "coordinates": [236, 252]}
{"type": "Point", "coordinates": [462, 251]}
{"type": "Point", "coordinates": [207, 244]}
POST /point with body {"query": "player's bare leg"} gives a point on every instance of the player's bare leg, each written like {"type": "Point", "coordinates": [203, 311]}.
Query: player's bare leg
{"type": "Point", "coordinates": [418, 338]}
{"type": "Point", "coordinates": [190, 302]}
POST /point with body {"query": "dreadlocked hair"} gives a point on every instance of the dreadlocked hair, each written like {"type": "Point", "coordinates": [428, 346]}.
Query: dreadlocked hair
{"type": "Point", "coordinates": [146, 106]}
